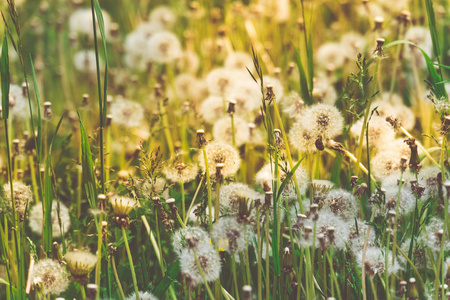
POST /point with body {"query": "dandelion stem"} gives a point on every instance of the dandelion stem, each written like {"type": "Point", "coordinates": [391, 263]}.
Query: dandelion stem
{"type": "Point", "coordinates": [199, 266]}
{"type": "Point", "coordinates": [208, 186]}
{"type": "Point", "coordinates": [119, 285]}
{"type": "Point", "coordinates": [130, 260]}
{"type": "Point", "coordinates": [233, 268]}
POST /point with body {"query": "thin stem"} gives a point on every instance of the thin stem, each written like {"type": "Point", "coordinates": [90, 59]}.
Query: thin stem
{"type": "Point", "coordinates": [116, 276]}
{"type": "Point", "coordinates": [130, 260]}
{"type": "Point", "coordinates": [199, 266]}
{"type": "Point", "coordinates": [208, 185]}
{"type": "Point", "coordinates": [233, 268]}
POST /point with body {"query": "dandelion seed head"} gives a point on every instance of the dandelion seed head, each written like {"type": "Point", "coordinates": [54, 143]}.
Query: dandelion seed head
{"type": "Point", "coordinates": [276, 84]}
{"type": "Point", "coordinates": [324, 91]}
{"type": "Point", "coordinates": [379, 132]}
{"type": "Point", "coordinates": [246, 94]}
{"type": "Point", "coordinates": [302, 136]}
{"type": "Point", "coordinates": [329, 219]}
{"type": "Point", "coordinates": [208, 259]}
{"type": "Point", "coordinates": [428, 237]}
{"type": "Point", "coordinates": [80, 23]}
{"type": "Point", "coordinates": [85, 61]}
{"type": "Point", "coordinates": [164, 16]}
{"type": "Point", "coordinates": [126, 113]}
{"type": "Point", "coordinates": [353, 43]}
{"type": "Point", "coordinates": [180, 172]}
{"type": "Point", "coordinates": [221, 153]}
{"type": "Point", "coordinates": [142, 296]}
{"type": "Point", "coordinates": [356, 238]}
{"type": "Point", "coordinates": [18, 103]}
{"type": "Point", "coordinates": [231, 235]}
{"type": "Point", "coordinates": [179, 238]}
{"type": "Point", "coordinates": [220, 81]}
{"type": "Point", "coordinates": [212, 109]}
{"type": "Point", "coordinates": [230, 195]}
{"type": "Point", "coordinates": [23, 196]}
{"type": "Point", "coordinates": [407, 199]}
{"type": "Point", "coordinates": [239, 61]}
{"type": "Point", "coordinates": [375, 259]}
{"type": "Point", "coordinates": [342, 203]}
{"type": "Point", "coordinates": [36, 219]}
{"type": "Point", "coordinates": [326, 120]}
{"type": "Point", "coordinates": [163, 47]}
{"type": "Point", "coordinates": [265, 177]}
{"type": "Point", "coordinates": [330, 54]}
{"type": "Point", "coordinates": [422, 38]}
{"type": "Point", "coordinates": [51, 275]}
{"type": "Point", "coordinates": [293, 105]}
{"type": "Point", "coordinates": [223, 133]}
{"type": "Point", "coordinates": [386, 163]}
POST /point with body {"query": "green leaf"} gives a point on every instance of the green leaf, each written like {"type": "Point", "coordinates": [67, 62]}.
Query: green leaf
{"type": "Point", "coordinates": [48, 194]}
{"type": "Point", "coordinates": [38, 139]}
{"type": "Point", "coordinates": [433, 28]}
{"type": "Point", "coordinates": [436, 79]}
{"type": "Point", "coordinates": [167, 280]}
{"type": "Point", "coordinates": [304, 91]}
{"type": "Point", "coordinates": [101, 25]}
{"type": "Point", "coordinates": [5, 78]}
{"type": "Point", "coordinates": [88, 167]}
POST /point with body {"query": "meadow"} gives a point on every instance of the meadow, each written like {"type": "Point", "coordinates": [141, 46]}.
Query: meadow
{"type": "Point", "coordinates": [255, 149]}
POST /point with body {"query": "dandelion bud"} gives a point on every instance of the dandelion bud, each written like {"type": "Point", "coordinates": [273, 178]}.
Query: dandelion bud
{"type": "Point", "coordinates": [369, 269]}
{"type": "Point", "coordinates": [413, 294]}
{"type": "Point", "coordinates": [24, 90]}
{"type": "Point", "coordinates": [269, 94]}
{"type": "Point", "coordinates": [201, 138]}
{"type": "Point", "coordinates": [291, 67]}
{"type": "Point", "coordinates": [336, 146]}
{"type": "Point", "coordinates": [319, 143]}
{"type": "Point", "coordinates": [405, 16]}
{"type": "Point", "coordinates": [392, 215]}
{"type": "Point", "coordinates": [16, 143]}
{"type": "Point", "coordinates": [80, 264]}
{"type": "Point", "coordinates": [445, 128]}
{"type": "Point", "coordinates": [109, 118]}
{"type": "Point", "coordinates": [394, 122]}
{"type": "Point", "coordinates": [85, 100]}
{"type": "Point", "coordinates": [414, 161]}
{"type": "Point", "coordinates": [321, 238]}
{"type": "Point", "coordinates": [191, 241]}
{"type": "Point", "coordinates": [403, 164]}
{"type": "Point", "coordinates": [91, 291]}
{"type": "Point", "coordinates": [379, 47]}
{"type": "Point", "coordinates": [231, 107]}
{"type": "Point", "coordinates": [361, 189]}
{"type": "Point", "coordinates": [219, 172]}
{"type": "Point", "coordinates": [47, 110]}
{"type": "Point", "coordinates": [247, 291]}
{"type": "Point", "coordinates": [301, 24]}
{"type": "Point", "coordinates": [278, 139]}
{"type": "Point", "coordinates": [190, 282]}
{"type": "Point", "coordinates": [378, 20]}
{"type": "Point", "coordinates": [439, 234]}
{"type": "Point", "coordinates": [354, 181]}
{"type": "Point", "coordinates": [186, 107]}
{"type": "Point", "coordinates": [251, 128]}
{"type": "Point", "coordinates": [268, 198]}
{"type": "Point", "coordinates": [308, 230]}
{"type": "Point", "coordinates": [330, 234]}
{"type": "Point", "coordinates": [402, 289]}
{"type": "Point", "coordinates": [19, 174]}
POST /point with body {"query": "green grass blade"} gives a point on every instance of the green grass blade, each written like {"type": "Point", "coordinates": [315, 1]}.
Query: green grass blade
{"type": "Point", "coordinates": [304, 91]}
{"type": "Point", "coordinates": [436, 79]}
{"type": "Point", "coordinates": [101, 25]}
{"type": "Point", "coordinates": [88, 167]}
{"type": "Point", "coordinates": [5, 78]}
{"type": "Point", "coordinates": [167, 280]}
{"type": "Point", "coordinates": [433, 28]}
{"type": "Point", "coordinates": [38, 139]}
{"type": "Point", "coordinates": [48, 195]}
